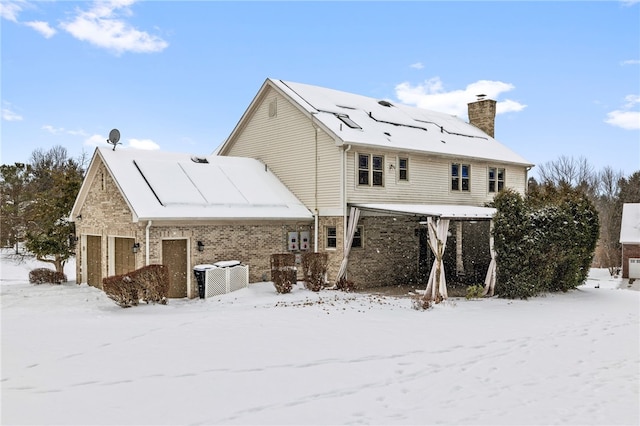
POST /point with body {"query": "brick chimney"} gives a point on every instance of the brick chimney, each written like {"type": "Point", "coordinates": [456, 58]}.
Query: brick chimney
{"type": "Point", "coordinates": [482, 114]}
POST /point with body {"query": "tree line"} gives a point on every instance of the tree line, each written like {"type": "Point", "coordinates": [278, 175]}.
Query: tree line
{"type": "Point", "coordinates": [607, 189]}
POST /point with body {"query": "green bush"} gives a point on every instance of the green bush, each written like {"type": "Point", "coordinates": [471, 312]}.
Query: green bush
{"type": "Point", "coordinates": [543, 243]}
{"type": "Point", "coordinates": [474, 292]}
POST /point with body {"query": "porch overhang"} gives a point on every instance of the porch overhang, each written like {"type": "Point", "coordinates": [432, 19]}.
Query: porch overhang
{"type": "Point", "coordinates": [444, 211]}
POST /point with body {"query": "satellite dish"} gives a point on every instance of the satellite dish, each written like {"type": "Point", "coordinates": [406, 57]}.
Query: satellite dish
{"type": "Point", "coordinates": [114, 137]}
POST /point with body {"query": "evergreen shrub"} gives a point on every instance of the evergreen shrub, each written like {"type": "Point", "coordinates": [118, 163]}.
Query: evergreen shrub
{"type": "Point", "coordinates": [544, 242]}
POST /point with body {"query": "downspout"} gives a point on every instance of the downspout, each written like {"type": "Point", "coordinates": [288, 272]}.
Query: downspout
{"type": "Point", "coordinates": [315, 210]}
{"type": "Point", "coordinates": [146, 243]}
{"type": "Point", "coordinates": [343, 194]}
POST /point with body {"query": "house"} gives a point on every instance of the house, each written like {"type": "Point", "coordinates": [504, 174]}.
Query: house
{"type": "Point", "coordinates": [630, 240]}
{"type": "Point", "coordinates": [397, 168]}
{"type": "Point", "coordinates": [143, 207]}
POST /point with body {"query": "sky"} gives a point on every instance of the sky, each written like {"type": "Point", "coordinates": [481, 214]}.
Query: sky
{"type": "Point", "coordinates": [177, 76]}
{"type": "Point", "coordinates": [71, 356]}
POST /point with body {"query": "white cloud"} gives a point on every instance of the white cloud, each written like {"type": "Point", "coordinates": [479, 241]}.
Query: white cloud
{"type": "Point", "coordinates": [42, 27]}
{"type": "Point", "coordinates": [141, 144]}
{"type": "Point", "coordinates": [630, 62]}
{"type": "Point", "coordinates": [144, 144]}
{"type": "Point", "coordinates": [10, 10]}
{"type": "Point", "coordinates": [629, 2]}
{"type": "Point", "coordinates": [432, 95]}
{"type": "Point", "coordinates": [62, 130]}
{"type": "Point", "coordinates": [103, 26]}
{"type": "Point", "coordinates": [417, 65]}
{"type": "Point", "coordinates": [626, 118]}
{"type": "Point", "coordinates": [9, 115]}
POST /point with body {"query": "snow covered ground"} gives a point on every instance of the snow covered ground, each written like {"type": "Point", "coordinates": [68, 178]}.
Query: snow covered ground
{"type": "Point", "coordinates": [71, 356]}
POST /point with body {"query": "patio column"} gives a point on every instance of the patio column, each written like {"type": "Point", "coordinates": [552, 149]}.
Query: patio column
{"type": "Point", "coordinates": [490, 280]}
{"type": "Point", "coordinates": [354, 215]}
{"type": "Point", "coordinates": [437, 284]}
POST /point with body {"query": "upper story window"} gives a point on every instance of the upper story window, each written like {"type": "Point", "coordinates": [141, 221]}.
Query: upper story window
{"type": "Point", "coordinates": [403, 168]}
{"type": "Point", "coordinates": [370, 170]}
{"type": "Point", "coordinates": [496, 179]}
{"type": "Point", "coordinates": [332, 237]}
{"type": "Point", "coordinates": [460, 177]}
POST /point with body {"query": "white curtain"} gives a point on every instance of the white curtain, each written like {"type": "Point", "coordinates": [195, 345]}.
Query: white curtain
{"type": "Point", "coordinates": [490, 280]}
{"type": "Point", "coordinates": [354, 215]}
{"type": "Point", "coordinates": [437, 284]}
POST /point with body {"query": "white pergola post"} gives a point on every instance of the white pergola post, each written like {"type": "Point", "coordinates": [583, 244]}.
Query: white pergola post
{"type": "Point", "coordinates": [437, 283]}
{"type": "Point", "coordinates": [490, 280]}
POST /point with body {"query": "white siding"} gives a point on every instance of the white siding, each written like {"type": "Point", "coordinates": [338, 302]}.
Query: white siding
{"type": "Point", "coordinates": [429, 181]}
{"type": "Point", "coordinates": [286, 143]}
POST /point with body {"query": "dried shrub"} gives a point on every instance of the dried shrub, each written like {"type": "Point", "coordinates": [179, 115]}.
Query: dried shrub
{"type": "Point", "coordinates": [283, 271]}
{"type": "Point", "coordinates": [46, 276]}
{"type": "Point", "coordinates": [421, 302]}
{"type": "Point", "coordinates": [474, 292]}
{"type": "Point", "coordinates": [314, 269]}
{"type": "Point", "coordinates": [345, 285]}
{"type": "Point", "coordinates": [149, 284]}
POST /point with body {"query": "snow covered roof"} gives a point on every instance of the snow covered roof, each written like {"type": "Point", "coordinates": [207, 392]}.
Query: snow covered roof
{"type": "Point", "coordinates": [444, 211]}
{"type": "Point", "coordinates": [361, 120]}
{"type": "Point", "coordinates": [162, 185]}
{"type": "Point", "coordinates": [630, 228]}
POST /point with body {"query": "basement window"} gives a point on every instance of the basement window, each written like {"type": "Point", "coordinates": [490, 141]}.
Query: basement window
{"type": "Point", "coordinates": [332, 237]}
{"type": "Point", "coordinates": [349, 122]}
{"type": "Point", "coordinates": [357, 238]}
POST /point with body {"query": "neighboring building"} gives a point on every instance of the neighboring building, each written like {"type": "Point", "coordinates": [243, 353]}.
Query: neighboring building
{"type": "Point", "coordinates": [143, 207]}
{"type": "Point", "coordinates": [396, 164]}
{"type": "Point", "coordinates": [630, 240]}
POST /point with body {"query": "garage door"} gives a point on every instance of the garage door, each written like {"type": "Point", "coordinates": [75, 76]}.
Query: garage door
{"type": "Point", "coordinates": [174, 257]}
{"type": "Point", "coordinates": [94, 261]}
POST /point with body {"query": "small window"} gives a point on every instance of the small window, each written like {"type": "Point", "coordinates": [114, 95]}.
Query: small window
{"type": "Point", "coordinates": [332, 237]}
{"type": "Point", "coordinates": [357, 238]}
{"type": "Point", "coordinates": [378, 170]}
{"type": "Point", "coordinates": [460, 177]}
{"type": "Point", "coordinates": [403, 169]}
{"type": "Point", "coordinates": [346, 120]}
{"type": "Point", "coordinates": [496, 179]}
{"type": "Point", "coordinates": [363, 169]}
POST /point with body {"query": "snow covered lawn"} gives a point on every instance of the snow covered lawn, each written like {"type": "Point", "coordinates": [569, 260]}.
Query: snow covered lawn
{"type": "Point", "coordinates": [71, 356]}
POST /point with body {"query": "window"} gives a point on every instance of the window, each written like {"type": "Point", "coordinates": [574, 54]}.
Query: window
{"type": "Point", "coordinates": [496, 179]}
{"type": "Point", "coordinates": [357, 237]}
{"type": "Point", "coordinates": [460, 177]}
{"type": "Point", "coordinates": [332, 237]}
{"type": "Point", "coordinates": [403, 168]}
{"type": "Point", "coordinates": [370, 170]}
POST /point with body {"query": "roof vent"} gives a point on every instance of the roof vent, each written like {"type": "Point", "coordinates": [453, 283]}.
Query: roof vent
{"type": "Point", "coordinates": [200, 160]}
{"type": "Point", "coordinates": [385, 103]}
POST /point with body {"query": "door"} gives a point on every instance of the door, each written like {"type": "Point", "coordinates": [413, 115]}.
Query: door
{"type": "Point", "coordinates": [94, 261]}
{"type": "Point", "coordinates": [124, 257]}
{"type": "Point", "coordinates": [174, 257]}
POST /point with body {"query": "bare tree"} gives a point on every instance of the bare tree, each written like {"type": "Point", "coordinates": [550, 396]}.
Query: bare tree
{"type": "Point", "coordinates": [576, 173]}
